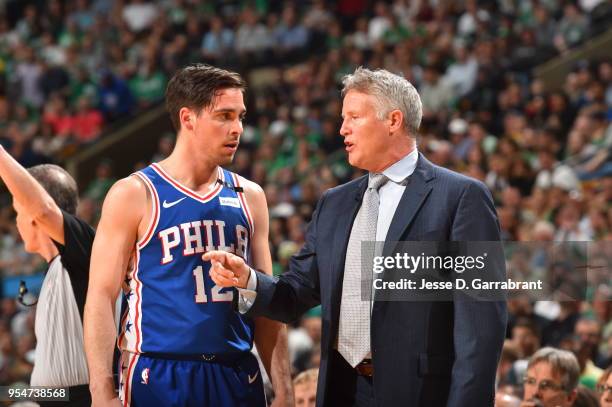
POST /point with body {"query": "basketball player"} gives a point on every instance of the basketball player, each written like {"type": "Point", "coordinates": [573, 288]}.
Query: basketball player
{"type": "Point", "coordinates": [45, 199]}
{"type": "Point", "coordinates": [183, 342]}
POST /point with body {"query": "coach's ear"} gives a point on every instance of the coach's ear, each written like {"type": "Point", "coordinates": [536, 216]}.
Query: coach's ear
{"type": "Point", "coordinates": [186, 118]}
{"type": "Point", "coordinates": [396, 120]}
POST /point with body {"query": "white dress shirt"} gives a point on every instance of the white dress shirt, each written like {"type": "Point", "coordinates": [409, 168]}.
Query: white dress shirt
{"type": "Point", "coordinates": [389, 195]}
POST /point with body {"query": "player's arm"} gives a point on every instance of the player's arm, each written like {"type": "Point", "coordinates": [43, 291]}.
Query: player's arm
{"type": "Point", "coordinates": [270, 336]}
{"type": "Point", "coordinates": [32, 197]}
{"type": "Point", "coordinates": [122, 212]}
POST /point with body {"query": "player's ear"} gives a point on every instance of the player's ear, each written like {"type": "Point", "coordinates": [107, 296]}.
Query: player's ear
{"type": "Point", "coordinates": [186, 118]}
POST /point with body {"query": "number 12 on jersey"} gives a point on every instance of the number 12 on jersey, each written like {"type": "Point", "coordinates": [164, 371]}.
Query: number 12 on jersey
{"type": "Point", "coordinates": [217, 295]}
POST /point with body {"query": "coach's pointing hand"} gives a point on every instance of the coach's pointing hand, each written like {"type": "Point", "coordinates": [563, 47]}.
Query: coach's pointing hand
{"type": "Point", "coordinates": [227, 269]}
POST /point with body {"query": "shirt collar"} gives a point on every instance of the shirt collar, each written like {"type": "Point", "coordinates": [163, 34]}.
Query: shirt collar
{"type": "Point", "coordinates": [404, 168]}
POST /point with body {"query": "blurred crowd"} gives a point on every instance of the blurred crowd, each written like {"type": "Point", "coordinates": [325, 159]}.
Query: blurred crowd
{"type": "Point", "coordinates": [70, 69]}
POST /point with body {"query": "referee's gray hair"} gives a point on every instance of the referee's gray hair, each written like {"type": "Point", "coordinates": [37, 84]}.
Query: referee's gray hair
{"type": "Point", "coordinates": [391, 92]}
{"type": "Point", "coordinates": [562, 362]}
{"type": "Point", "coordinates": [59, 184]}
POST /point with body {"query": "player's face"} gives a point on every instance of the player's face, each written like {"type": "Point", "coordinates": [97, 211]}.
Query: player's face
{"type": "Point", "coordinates": [220, 125]}
{"type": "Point", "coordinates": [306, 394]}
{"type": "Point", "coordinates": [365, 135]}
{"type": "Point", "coordinates": [26, 228]}
{"type": "Point", "coordinates": [544, 384]}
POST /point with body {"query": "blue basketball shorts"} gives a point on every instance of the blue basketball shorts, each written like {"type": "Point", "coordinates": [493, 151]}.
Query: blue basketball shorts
{"type": "Point", "coordinates": [146, 381]}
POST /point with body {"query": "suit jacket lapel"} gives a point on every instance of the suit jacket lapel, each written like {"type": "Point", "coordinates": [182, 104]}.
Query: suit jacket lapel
{"type": "Point", "coordinates": [415, 194]}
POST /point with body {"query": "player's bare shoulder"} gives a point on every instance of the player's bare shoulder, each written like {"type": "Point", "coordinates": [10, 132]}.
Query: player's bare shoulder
{"type": "Point", "coordinates": [254, 194]}
{"type": "Point", "coordinates": [128, 198]}
{"type": "Point", "coordinates": [129, 187]}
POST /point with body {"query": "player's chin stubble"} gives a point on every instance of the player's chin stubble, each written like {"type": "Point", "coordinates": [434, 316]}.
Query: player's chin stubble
{"type": "Point", "coordinates": [227, 160]}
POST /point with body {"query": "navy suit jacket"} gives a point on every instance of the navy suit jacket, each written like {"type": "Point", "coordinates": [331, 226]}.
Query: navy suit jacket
{"type": "Point", "coordinates": [424, 353]}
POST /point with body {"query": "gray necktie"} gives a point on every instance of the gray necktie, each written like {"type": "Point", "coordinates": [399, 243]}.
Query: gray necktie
{"type": "Point", "coordinates": [354, 329]}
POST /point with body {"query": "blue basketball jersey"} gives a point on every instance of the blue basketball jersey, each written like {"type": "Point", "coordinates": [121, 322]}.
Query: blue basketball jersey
{"type": "Point", "coordinates": [172, 306]}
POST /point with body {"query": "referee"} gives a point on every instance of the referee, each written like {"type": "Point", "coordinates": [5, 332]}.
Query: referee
{"type": "Point", "coordinates": [45, 199]}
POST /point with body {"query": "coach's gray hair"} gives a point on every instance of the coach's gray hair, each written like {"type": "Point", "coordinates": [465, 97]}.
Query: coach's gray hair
{"type": "Point", "coordinates": [562, 362]}
{"type": "Point", "coordinates": [391, 92]}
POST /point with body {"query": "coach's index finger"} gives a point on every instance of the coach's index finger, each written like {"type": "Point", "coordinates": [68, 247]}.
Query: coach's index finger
{"type": "Point", "coordinates": [216, 255]}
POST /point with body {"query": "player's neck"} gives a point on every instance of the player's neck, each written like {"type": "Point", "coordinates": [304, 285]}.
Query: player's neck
{"type": "Point", "coordinates": [193, 172]}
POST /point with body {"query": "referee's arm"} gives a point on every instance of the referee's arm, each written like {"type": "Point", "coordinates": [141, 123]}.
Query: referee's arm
{"type": "Point", "coordinates": [122, 212]}
{"type": "Point", "coordinates": [32, 197]}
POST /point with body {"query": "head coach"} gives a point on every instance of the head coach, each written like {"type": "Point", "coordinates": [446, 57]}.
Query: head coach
{"type": "Point", "coordinates": [404, 353]}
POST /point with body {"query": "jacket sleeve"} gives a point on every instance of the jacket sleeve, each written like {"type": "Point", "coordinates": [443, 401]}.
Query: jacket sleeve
{"type": "Point", "coordinates": [287, 297]}
{"type": "Point", "coordinates": [479, 325]}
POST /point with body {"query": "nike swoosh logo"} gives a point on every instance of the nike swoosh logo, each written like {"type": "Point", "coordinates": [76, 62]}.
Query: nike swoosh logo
{"type": "Point", "coordinates": [167, 205]}
{"type": "Point", "coordinates": [252, 379]}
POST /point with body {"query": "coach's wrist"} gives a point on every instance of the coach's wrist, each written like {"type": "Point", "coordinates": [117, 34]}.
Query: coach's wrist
{"type": "Point", "coordinates": [245, 275]}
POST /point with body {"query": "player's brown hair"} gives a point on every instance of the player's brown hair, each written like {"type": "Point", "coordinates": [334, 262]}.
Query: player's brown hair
{"type": "Point", "coordinates": [196, 87]}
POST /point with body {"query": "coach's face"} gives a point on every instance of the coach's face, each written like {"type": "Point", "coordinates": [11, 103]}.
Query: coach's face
{"type": "Point", "coordinates": [366, 137]}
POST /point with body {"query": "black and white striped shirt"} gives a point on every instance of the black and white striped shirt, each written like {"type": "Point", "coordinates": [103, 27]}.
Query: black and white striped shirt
{"type": "Point", "coordinates": [60, 356]}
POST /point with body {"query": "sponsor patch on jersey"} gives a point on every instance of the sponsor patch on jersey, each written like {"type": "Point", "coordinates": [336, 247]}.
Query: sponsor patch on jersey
{"type": "Point", "coordinates": [229, 201]}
